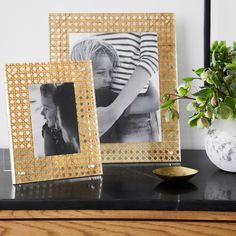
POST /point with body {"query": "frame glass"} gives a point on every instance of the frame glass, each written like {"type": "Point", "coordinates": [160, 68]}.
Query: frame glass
{"type": "Point", "coordinates": [32, 89]}
{"type": "Point", "coordinates": [63, 26]}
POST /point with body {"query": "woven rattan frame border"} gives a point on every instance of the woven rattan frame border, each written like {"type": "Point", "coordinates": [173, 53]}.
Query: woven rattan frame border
{"type": "Point", "coordinates": [61, 25]}
{"type": "Point", "coordinates": [27, 168]}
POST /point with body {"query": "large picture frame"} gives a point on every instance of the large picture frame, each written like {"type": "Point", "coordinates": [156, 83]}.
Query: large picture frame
{"type": "Point", "coordinates": [63, 25]}
{"type": "Point", "coordinates": [32, 90]}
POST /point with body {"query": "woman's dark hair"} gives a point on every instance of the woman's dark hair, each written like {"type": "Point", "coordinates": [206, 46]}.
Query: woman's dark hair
{"type": "Point", "coordinates": [65, 101]}
{"type": "Point", "coordinates": [48, 90]}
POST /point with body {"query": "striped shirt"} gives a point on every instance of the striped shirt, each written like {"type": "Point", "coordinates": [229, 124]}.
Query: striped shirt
{"type": "Point", "coordinates": [134, 49]}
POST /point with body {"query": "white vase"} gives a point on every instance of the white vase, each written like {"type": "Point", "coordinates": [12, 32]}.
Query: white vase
{"type": "Point", "coordinates": [220, 144]}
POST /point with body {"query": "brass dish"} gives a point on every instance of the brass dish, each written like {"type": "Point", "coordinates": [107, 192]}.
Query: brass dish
{"type": "Point", "coordinates": [175, 173]}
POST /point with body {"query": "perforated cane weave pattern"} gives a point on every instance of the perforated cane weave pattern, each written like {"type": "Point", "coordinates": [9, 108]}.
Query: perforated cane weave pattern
{"type": "Point", "coordinates": [61, 25]}
{"type": "Point", "coordinates": [27, 167]}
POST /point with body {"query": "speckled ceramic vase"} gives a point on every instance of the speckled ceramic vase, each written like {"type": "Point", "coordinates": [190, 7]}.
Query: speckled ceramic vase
{"type": "Point", "coordinates": [220, 144]}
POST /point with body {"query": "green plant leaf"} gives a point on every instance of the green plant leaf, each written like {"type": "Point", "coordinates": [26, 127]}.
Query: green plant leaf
{"type": "Point", "coordinates": [212, 109]}
{"type": "Point", "coordinates": [166, 97]}
{"type": "Point", "coordinates": [234, 46]}
{"type": "Point", "coordinates": [201, 100]}
{"type": "Point", "coordinates": [193, 120]}
{"type": "Point", "coordinates": [176, 114]}
{"type": "Point", "coordinates": [230, 66]}
{"type": "Point", "coordinates": [233, 88]}
{"type": "Point", "coordinates": [216, 81]}
{"type": "Point", "coordinates": [224, 90]}
{"type": "Point", "coordinates": [214, 100]}
{"type": "Point", "coordinates": [213, 59]}
{"type": "Point", "coordinates": [214, 45]}
{"type": "Point", "coordinates": [191, 106]}
{"type": "Point", "coordinates": [199, 71]}
{"type": "Point", "coordinates": [188, 79]}
{"type": "Point", "coordinates": [204, 93]}
{"type": "Point", "coordinates": [208, 113]}
{"type": "Point", "coordinates": [228, 79]}
{"type": "Point", "coordinates": [168, 104]}
{"type": "Point", "coordinates": [187, 86]}
{"type": "Point", "coordinates": [193, 123]}
{"type": "Point", "coordinates": [173, 114]}
{"type": "Point", "coordinates": [231, 102]}
{"type": "Point", "coordinates": [182, 91]}
{"type": "Point", "coordinates": [204, 75]}
{"type": "Point", "coordinates": [203, 122]}
{"type": "Point", "coordinates": [224, 112]}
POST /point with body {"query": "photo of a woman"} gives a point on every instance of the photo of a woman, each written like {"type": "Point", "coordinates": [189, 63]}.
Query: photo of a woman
{"type": "Point", "coordinates": [54, 119]}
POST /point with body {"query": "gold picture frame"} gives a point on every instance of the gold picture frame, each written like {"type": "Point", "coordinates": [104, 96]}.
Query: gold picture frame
{"type": "Point", "coordinates": [22, 80]}
{"type": "Point", "coordinates": [64, 24]}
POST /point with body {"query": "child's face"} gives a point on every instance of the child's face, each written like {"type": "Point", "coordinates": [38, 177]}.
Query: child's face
{"type": "Point", "coordinates": [102, 68]}
{"type": "Point", "coordinates": [49, 110]}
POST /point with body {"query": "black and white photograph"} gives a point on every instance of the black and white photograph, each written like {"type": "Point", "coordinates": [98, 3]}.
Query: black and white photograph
{"type": "Point", "coordinates": [126, 81]}
{"type": "Point", "coordinates": [54, 119]}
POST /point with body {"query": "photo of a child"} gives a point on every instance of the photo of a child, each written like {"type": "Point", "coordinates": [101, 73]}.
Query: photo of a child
{"type": "Point", "coordinates": [116, 58]}
{"type": "Point", "coordinates": [48, 118]}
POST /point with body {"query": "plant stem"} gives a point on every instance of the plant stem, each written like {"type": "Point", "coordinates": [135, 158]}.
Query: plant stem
{"type": "Point", "coordinates": [198, 78]}
{"type": "Point", "coordinates": [185, 97]}
{"type": "Point", "coordinates": [179, 97]}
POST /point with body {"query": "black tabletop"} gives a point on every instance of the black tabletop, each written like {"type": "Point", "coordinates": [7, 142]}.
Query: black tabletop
{"type": "Point", "coordinates": [125, 186]}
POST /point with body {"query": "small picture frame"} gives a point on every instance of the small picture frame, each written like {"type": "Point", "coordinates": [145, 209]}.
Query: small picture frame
{"type": "Point", "coordinates": [139, 40]}
{"type": "Point", "coordinates": [53, 121]}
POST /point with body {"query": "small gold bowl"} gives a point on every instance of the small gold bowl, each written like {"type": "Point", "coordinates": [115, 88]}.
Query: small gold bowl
{"type": "Point", "coordinates": [175, 173]}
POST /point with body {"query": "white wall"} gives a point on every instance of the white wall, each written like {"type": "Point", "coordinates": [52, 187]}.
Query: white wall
{"type": "Point", "coordinates": [223, 20]}
{"type": "Point", "coordinates": [25, 38]}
